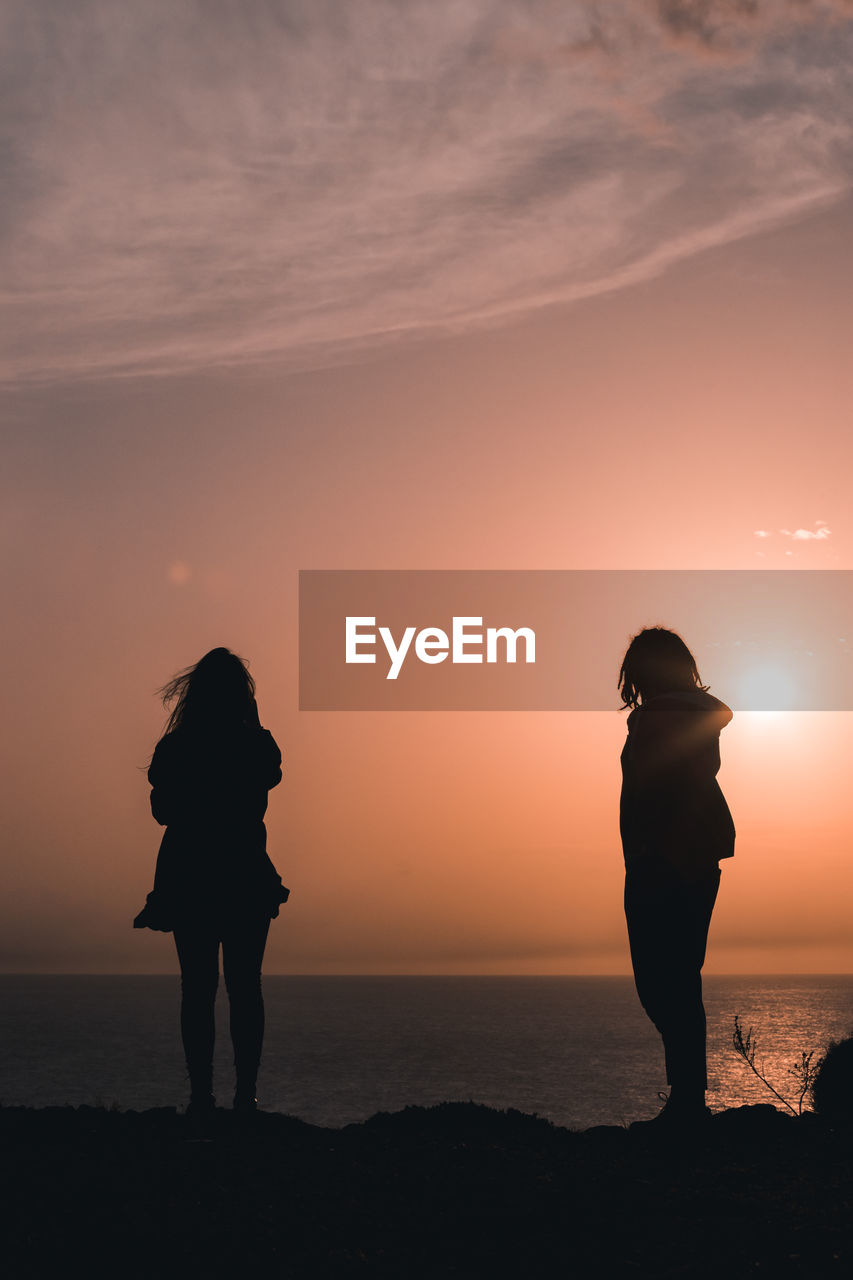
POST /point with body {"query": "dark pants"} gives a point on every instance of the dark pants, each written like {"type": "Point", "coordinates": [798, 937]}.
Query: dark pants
{"type": "Point", "coordinates": [243, 943]}
{"type": "Point", "coordinates": [668, 918]}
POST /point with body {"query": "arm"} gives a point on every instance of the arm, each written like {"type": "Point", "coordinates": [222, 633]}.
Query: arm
{"type": "Point", "coordinates": [272, 761]}
{"type": "Point", "coordinates": [163, 797]}
{"type": "Point", "coordinates": [158, 912]}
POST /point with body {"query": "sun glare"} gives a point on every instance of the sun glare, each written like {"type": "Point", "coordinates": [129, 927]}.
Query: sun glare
{"type": "Point", "coordinates": [768, 688]}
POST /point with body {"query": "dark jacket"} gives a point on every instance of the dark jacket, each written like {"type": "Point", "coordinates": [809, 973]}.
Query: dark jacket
{"type": "Point", "coordinates": [210, 793]}
{"type": "Point", "coordinates": [671, 807]}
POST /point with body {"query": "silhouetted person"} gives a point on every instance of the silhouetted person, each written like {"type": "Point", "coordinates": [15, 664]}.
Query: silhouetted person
{"type": "Point", "coordinates": [214, 883]}
{"type": "Point", "coordinates": [675, 826]}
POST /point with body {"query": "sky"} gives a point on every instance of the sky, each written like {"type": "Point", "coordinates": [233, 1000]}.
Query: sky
{"type": "Point", "coordinates": [426, 285]}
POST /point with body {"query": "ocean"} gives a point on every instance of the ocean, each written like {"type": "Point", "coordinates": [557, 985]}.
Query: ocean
{"type": "Point", "coordinates": [578, 1051]}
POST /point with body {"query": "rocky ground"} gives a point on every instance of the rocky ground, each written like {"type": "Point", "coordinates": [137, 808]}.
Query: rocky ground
{"type": "Point", "coordinates": [453, 1191]}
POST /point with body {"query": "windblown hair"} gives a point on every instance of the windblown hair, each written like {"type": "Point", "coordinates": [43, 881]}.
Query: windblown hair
{"type": "Point", "coordinates": [217, 692]}
{"type": "Point", "coordinates": [656, 660]}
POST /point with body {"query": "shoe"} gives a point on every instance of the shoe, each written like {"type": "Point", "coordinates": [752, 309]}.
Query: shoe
{"type": "Point", "coordinates": [245, 1103]}
{"type": "Point", "coordinates": [201, 1115]}
{"type": "Point", "coordinates": [201, 1104]}
{"type": "Point", "coordinates": [674, 1117]}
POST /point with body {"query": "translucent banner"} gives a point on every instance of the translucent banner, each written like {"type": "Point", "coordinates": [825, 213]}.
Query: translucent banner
{"type": "Point", "coordinates": [553, 640]}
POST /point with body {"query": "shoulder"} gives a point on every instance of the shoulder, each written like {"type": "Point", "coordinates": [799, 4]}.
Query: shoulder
{"type": "Point", "coordinates": [263, 749]}
{"type": "Point", "coordinates": [673, 709]}
{"type": "Point", "coordinates": [654, 716]}
{"type": "Point", "coordinates": [267, 757]}
{"type": "Point", "coordinates": [272, 751]}
{"type": "Point", "coordinates": [164, 752]}
{"type": "Point", "coordinates": [262, 741]}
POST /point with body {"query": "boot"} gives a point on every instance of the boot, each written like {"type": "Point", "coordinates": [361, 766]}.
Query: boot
{"type": "Point", "coordinates": [202, 1102]}
{"type": "Point", "coordinates": [681, 1114]}
{"type": "Point", "coordinates": [245, 1102]}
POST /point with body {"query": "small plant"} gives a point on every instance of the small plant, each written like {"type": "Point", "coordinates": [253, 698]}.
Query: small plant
{"type": "Point", "coordinates": [832, 1089]}
{"type": "Point", "coordinates": [804, 1072]}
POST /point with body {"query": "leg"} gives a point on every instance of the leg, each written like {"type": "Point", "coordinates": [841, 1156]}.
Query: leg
{"type": "Point", "coordinates": [198, 953]}
{"type": "Point", "coordinates": [243, 946]}
{"type": "Point", "coordinates": [668, 919]}
{"type": "Point", "coordinates": [684, 1031]}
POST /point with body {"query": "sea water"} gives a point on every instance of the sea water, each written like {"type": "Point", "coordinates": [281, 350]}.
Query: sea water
{"type": "Point", "coordinates": [579, 1051]}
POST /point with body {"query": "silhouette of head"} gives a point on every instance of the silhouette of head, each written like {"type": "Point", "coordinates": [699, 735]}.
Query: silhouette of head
{"type": "Point", "coordinates": [657, 661]}
{"type": "Point", "coordinates": [217, 693]}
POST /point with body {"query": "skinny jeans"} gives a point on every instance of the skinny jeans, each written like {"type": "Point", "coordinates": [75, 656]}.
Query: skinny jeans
{"type": "Point", "coordinates": [668, 916]}
{"type": "Point", "coordinates": [243, 940]}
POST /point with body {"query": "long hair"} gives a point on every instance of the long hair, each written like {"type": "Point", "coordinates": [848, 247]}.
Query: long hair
{"type": "Point", "coordinates": [656, 660]}
{"type": "Point", "coordinates": [217, 692]}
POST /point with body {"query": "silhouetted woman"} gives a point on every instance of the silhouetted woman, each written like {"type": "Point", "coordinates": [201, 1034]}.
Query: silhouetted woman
{"type": "Point", "coordinates": [214, 884]}
{"type": "Point", "coordinates": [675, 827]}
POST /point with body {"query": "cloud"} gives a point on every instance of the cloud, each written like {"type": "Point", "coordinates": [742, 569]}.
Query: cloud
{"type": "Point", "coordinates": [203, 183]}
{"type": "Point", "coordinates": [729, 28]}
{"type": "Point", "coordinates": [709, 25]}
{"type": "Point", "coordinates": [819, 534]}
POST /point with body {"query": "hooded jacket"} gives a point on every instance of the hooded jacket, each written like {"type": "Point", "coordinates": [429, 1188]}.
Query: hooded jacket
{"type": "Point", "coordinates": [671, 807]}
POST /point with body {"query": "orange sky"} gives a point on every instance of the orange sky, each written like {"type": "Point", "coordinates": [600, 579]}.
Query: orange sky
{"type": "Point", "coordinates": [160, 494]}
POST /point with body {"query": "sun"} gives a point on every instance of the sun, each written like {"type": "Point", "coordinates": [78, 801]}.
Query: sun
{"type": "Point", "coordinates": [767, 687]}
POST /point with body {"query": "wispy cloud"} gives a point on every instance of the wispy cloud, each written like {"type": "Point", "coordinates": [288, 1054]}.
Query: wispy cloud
{"type": "Point", "coordinates": [199, 182]}
{"type": "Point", "coordinates": [819, 534]}
{"type": "Point", "coordinates": [729, 28]}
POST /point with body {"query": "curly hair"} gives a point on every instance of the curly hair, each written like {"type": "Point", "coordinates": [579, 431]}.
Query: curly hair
{"type": "Point", "coordinates": [656, 660]}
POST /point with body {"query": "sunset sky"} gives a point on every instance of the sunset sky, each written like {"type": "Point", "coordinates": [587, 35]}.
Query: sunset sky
{"type": "Point", "coordinates": [416, 285]}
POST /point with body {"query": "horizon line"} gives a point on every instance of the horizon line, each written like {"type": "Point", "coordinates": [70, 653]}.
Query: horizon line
{"type": "Point", "coordinates": [754, 973]}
